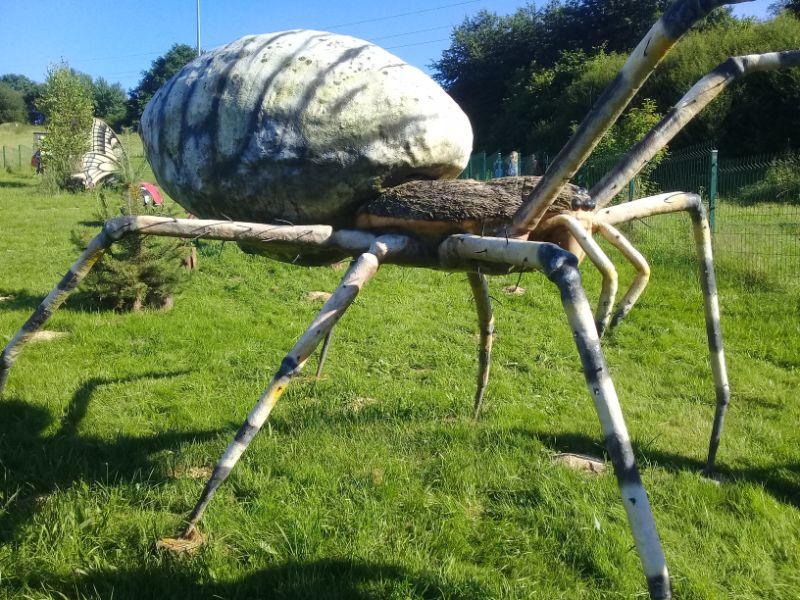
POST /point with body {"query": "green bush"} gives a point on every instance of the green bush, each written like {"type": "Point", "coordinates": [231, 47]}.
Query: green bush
{"type": "Point", "coordinates": [781, 183]}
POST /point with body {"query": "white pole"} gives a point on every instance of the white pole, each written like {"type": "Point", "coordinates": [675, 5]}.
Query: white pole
{"type": "Point", "coordinates": [198, 27]}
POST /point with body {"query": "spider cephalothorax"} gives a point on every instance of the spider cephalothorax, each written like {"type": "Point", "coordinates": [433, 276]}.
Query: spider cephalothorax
{"type": "Point", "coordinates": [322, 147]}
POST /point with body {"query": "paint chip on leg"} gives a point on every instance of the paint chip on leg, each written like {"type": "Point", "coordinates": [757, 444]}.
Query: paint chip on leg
{"type": "Point", "coordinates": [713, 477]}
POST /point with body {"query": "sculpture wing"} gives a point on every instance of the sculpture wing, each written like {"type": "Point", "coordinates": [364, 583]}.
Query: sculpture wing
{"type": "Point", "coordinates": [105, 156]}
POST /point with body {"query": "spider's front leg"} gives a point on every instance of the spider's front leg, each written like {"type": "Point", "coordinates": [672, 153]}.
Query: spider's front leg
{"type": "Point", "coordinates": [619, 241]}
{"type": "Point", "coordinates": [580, 231]}
{"type": "Point", "coordinates": [301, 236]}
{"type": "Point", "coordinates": [357, 275]}
{"type": "Point", "coordinates": [465, 251]}
{"type": "Point", "coordinates": [94, 252]}
{"type": "Point", "coordinates": [691, 203]}
{"type": "Point", "coordinates": [694, 101]}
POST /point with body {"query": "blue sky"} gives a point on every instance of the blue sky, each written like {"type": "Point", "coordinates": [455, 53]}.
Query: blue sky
{"type": "Point", "coordinates": [118, 39]}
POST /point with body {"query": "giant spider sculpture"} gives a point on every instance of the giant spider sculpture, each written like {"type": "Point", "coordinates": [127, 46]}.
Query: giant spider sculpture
{"type": "Point", "coordinates": [478, 228]}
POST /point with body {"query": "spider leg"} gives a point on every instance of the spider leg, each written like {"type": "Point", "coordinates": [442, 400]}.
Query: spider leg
{"type": "Point", "coordinates": [561, 268]}
{"type": "Point", "coordinates": [302, 237]}
{"type": "Point", "coordinates": [695, 100]}
{"type": "Point", "coordinates": [616, 239]}
{"type": "Point", "coordinates": [670, 203]}
{"type": "Point", "coordinates": [359, 273]}
{"type": "Point", "coordinates": [94, 251]}
{"type": "Point", "coordinates": [677, 19]}
{"type": "Point", "coordinates": [323, 354]}
{"type": "Point", "coordinates": [600, 260]}
{"type": "Point", "coordinates": [483, 304]}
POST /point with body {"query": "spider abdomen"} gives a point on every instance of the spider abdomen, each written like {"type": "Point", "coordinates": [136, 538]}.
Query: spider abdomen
{"type": "Point", "coordinates": [300, 126]}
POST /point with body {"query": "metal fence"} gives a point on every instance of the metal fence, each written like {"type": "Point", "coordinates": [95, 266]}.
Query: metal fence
{"type": "Point", "coordinates": [16, 158]}
{"type": "Point", "coordinates": [753, 202]}
{"type": "Point", "coordinates": [485, 166]}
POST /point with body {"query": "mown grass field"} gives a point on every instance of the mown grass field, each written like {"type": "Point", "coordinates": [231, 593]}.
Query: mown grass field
{"type": "Point", "coordinates": [373, 482]}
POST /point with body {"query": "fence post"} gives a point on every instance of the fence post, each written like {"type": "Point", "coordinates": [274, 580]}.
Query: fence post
{"type": "Point", "coordinates": [19, 154]}
{"type": "Point", "coordinates": [712, 193]}
{"type": "Point", "coordinates": [631, 190]}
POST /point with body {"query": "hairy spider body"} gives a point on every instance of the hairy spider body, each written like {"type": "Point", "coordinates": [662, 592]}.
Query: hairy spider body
{"type": "Point", "coordinates": [300, 146]}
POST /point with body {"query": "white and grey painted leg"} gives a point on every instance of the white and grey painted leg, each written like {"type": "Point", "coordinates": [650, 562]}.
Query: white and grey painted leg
{"type": "Point", "coordinates": [323, 354]}
{"type": "Point", "coordinates": [675, 202]}
{"type": "Point", "coordinates": [483, 305]}
{"type": "Point", "coordinates": [641, 62]}
{"type": "Point", "coordinates": [53, 301]}
{"type": "Point", "coordinates": [360, 271]}
{"type": "Point", "coordinates": [601, 261]}
{"type": "Point", "coordinates": [313, 238]}
{"type": "Point", "coordinates": [619, 241]}
{"type": "Point", "coordinates": [561, 268]}
{"type": "Point", "coordinates": [694, 101]}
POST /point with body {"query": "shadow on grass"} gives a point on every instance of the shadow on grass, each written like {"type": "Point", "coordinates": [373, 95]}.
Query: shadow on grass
{"type": "Point", "coordinates": [78, 301]}
{"type": "Point", "coordinates": [781, 481]}
{"type": "Point", "coordinates": [36, 464]}
{"type": "Point", "coordinates": [326, 579]}
{"type": "Point", "coordinates": [13, 184]}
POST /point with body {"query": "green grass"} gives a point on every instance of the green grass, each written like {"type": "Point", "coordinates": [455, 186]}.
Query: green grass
{"type": "Point", "coordinates": [373, 482]}
{"type": "Point", "coordinates": [18, 134]}
{"type": "Point", "coordinates": [16, 143]}
{"type": "Point", "coordinates": [759, 243]}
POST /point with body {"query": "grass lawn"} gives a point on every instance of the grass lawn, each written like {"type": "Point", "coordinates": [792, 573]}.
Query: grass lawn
{"type": "Point", "coordinates": [373, 482]}
{"type": "Point", "coordinates": [18, 134]}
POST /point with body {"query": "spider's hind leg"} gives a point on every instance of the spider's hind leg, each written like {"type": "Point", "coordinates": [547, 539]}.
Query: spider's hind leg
{"type": "Point", "coordinates": [483, 304]}
{"type": "Point", "coordinates": [302, 236]}
{"type": "Point", "coordinates": [323, 354]}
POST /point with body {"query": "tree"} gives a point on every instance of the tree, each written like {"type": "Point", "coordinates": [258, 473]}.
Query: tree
{"type": "Point", "coordinates": [790, 6]}
{"type": "Point", "coordinates": [524, 79]}
{"type": "Point", "coordinates": [490, 56]}
{"type": "Point", "coordinates": [66, 102]}
{"type": "Point", "coordinates": [162, 69]}
{"type": "Point", "coordinates": [758, 113]}
{"type": "Point", "coordinates": [12, 105]}
{"type": "Point", "coordinates": [109, 102]}
{"type": "Point", "coordinates": [25, 86]}
{"type": "Point", "coordinates": [138, 271]}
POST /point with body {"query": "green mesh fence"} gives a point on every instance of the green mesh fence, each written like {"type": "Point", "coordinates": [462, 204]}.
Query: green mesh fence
{"type": "Point", "coordinates": [753, 202]}
{"type": "Point", "coordinates": [757, 223]}
{"type": "Point", "coordinates": [16, 158]}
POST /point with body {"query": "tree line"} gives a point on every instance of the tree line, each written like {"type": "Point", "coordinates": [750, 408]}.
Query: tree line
{"type": "Point", "coordinates": [21, 98]}
{"type": "Point", "coordinates": [527, 78]}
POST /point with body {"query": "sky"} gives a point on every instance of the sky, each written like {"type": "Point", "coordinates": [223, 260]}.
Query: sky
{"type": "Point", "coordinates": [118, 39]}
